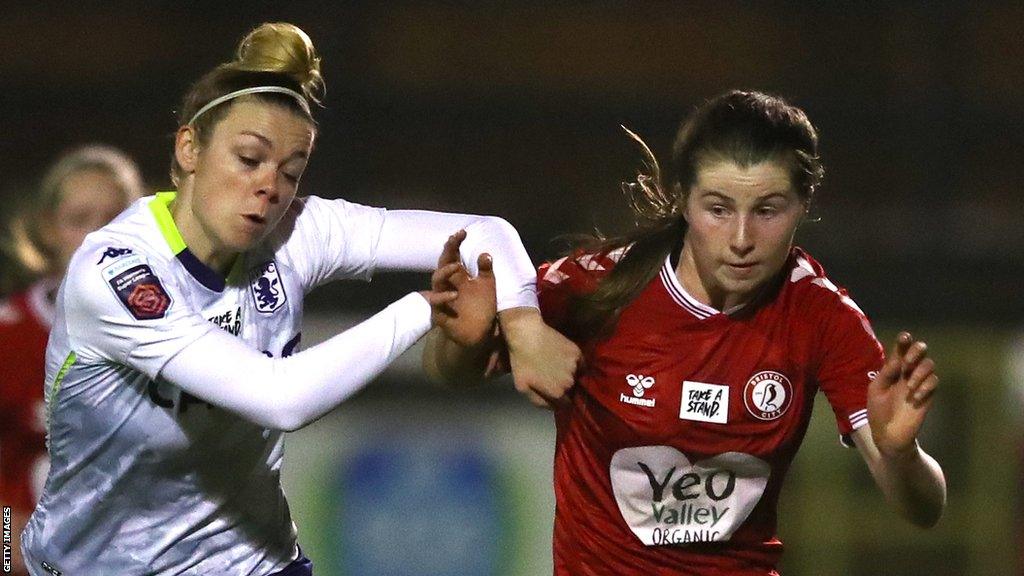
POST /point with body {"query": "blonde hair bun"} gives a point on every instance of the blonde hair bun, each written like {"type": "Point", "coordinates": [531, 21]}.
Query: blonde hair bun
{"type": "Point", "coordinates": [283, 48]}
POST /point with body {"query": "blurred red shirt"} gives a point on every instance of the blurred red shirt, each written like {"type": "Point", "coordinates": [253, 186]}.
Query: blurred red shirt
{"type": "Point", "coordinates": [25, 320]}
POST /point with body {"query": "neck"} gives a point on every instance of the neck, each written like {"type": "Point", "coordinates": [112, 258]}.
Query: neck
{"type": "Point", "coordinates": [703, 287]}
{"type": "Point", "coordinates": [199, 241]}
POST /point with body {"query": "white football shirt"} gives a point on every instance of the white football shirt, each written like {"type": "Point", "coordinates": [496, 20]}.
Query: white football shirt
{"type": "Point", "coordinates": [146, 478]}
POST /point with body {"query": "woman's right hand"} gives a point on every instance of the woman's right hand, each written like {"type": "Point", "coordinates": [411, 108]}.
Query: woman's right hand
{"type": "Point", "coordinates": [544, 362]}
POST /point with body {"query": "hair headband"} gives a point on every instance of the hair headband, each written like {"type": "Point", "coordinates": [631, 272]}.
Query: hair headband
{"type": "Point", "coordinates": [254, 90]}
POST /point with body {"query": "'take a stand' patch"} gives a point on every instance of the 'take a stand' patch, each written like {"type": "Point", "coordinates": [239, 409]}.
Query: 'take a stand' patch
{"type": "Point", "coordinates": [138, 288]}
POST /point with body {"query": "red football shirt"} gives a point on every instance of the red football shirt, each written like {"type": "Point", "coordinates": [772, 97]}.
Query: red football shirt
{"type": "Point", "coordinates": [684, 420]}
{"type": "Point", "coordinates": [25, 320]}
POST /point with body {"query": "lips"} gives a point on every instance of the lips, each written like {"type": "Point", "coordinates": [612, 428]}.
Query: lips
{"type": "Point", "coordinates": [255, 218]}
{"type": "Point", "coordinates": [742, 270]}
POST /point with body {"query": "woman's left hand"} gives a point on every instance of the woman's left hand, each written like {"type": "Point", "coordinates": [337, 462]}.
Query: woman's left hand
{"type": "Point", "coordinates": [470, 319]}
{"type": "Point", "coordinates": [900, 395]}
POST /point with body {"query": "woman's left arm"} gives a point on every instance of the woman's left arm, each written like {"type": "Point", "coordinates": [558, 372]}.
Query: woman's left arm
{"type": "Point", "coordinates": [899, 398]}
{"type": "Point", "coordinates": [543, 361]}
{"type": "Point", "coordinates": [413, 240]}
{"type": "Point", "coordinates": [355, 241]}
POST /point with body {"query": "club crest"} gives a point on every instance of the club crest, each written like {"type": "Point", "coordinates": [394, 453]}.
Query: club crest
{"type": "Point", "coordinates": [267, 289]}
{"type": "Point", "coordinates": [767, 395]}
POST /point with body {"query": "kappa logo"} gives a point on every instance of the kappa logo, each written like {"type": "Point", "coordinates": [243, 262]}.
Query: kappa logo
{"type": "Point", "coordinates": [112, 253]}
{"type": "Point", "coordinates": [767, 395]}
{"type": "Point", "coordinates": [639, 384]}
{"type": "Point", "coordinates": [267, 289]}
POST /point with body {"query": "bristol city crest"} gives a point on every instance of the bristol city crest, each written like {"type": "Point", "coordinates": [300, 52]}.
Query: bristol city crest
{"type": "Point", "coordinates": [267, 289]}
{"type": "Point", "coordinates": [768, 395]}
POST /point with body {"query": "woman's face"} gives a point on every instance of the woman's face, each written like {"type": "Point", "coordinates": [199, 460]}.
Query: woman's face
{"type": "Point", "coordinates": [89, 199]}
{"type": "Point", "coordinates": [245, 177]}
{"type": "Point", "coordinates": [741, 226]}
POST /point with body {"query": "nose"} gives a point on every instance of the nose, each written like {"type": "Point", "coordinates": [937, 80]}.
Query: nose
{"type": "Point", "coordinates": [266, 185]}
{"type": "Point", "coordinates": [741, 241]}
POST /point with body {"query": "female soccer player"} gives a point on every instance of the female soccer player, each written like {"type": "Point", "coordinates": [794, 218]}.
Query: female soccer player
{"type": "Point", "coordinates": [172, 369]}
{"type": "Point", "coordinates": [83, 190]}
{"type": "Point", "coordinates": [706, 335]}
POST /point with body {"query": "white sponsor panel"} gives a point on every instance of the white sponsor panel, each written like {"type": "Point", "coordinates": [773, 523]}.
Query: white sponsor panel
{"type": "Point", "coordinates": [667, 500]}
{"type": "Point", "coordinates": [704, 402]}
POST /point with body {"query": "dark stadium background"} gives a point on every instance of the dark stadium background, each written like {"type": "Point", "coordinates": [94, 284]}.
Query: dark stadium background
{"type": "Point", "coordinates": [513, 108]}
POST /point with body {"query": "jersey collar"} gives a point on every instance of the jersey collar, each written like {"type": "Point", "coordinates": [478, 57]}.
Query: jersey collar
{"type": "Point", "coordinates": [679, 294]}
{"type": "Point", "coordinates": [208, 277]}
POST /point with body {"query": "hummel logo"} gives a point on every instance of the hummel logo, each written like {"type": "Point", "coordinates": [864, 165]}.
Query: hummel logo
{"type": "Point", "coordinates": [639, 384]}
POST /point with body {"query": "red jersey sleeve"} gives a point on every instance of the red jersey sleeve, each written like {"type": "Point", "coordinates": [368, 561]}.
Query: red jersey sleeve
{"type": "Point", "coordinates": [850, 357]}
{"type": "Point", "coordinates": [22, 428]}
{"type": "Point", "coordinates": [560, 281]}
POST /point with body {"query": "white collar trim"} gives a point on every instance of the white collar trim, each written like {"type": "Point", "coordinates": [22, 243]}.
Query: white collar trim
{"type": "Point", "coordinates": [681, 296]}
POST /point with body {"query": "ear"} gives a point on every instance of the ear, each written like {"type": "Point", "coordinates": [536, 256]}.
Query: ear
{"type": "Point", "coordinates": [683, 198]}
{"type": "Point", "coordinates": [186, 148]}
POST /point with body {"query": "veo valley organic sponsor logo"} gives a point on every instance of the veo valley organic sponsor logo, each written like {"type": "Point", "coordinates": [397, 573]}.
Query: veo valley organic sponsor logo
{"type": "Point", "coordinates": [666, 499]}
{"type": "Point", "coordinates": [638, 383]}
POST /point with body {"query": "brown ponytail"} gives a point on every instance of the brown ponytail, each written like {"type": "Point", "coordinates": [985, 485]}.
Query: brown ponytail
{"type": "Point", "coordinates": [659, 230]}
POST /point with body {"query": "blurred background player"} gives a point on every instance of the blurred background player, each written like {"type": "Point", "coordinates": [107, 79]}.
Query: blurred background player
{"type": "Point", "coordinates": [173, 368]}
{"type": "Point", "coordinates": [706, 336]}
{"type": "Point", "coordinates": [83, 190]}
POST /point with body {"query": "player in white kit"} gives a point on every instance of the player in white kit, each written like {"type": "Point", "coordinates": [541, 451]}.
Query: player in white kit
{"type": "Point", "coordinates": [173, 366]}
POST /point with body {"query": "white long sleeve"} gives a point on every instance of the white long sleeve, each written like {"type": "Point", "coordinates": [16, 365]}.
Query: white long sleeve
{"type": "Point", "coordinates": [288, 393]}
{"type": "Point", "coordinates": [355, 241]}
{"type": "Point", "coordinates": [413, 239]}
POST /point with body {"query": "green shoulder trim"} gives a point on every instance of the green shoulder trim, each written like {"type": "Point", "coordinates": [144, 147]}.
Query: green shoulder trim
{"type": "Point", "coordinates": [55, 387]}
{"type": "Point", "coordinates": [160, 206]}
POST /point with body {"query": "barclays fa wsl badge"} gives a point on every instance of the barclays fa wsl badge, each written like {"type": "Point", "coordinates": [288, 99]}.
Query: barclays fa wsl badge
{"type": "Point", "coordinates": [267, 289]}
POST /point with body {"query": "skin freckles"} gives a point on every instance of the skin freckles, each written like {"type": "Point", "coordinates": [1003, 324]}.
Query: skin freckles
{"type": "Point", "coordinates": [741, 222]}
{"type": "Point", "coordinates": [241, 181]}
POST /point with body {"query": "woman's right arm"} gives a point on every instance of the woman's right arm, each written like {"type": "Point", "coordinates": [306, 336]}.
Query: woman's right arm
{"type": "Point", "coordinates": [289, 393]}
{"type": "Point", "coordinates": [132, 312]}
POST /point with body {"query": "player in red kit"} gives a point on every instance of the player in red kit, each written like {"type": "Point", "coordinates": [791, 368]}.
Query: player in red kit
{"type": "Point", "coordinates": [24, 327]}
{"type": "Point", "coordinates": [83, 190]}
{"type": "Point", "coordinates": [706, 335]}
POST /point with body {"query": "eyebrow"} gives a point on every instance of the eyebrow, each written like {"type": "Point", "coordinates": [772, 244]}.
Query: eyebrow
{"type": "Point", "coordinates": [768, 196]}
{"type": "Point", "coordinates": [259, 136]}
{"type": "Point", "coordinates": [269, 144]}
